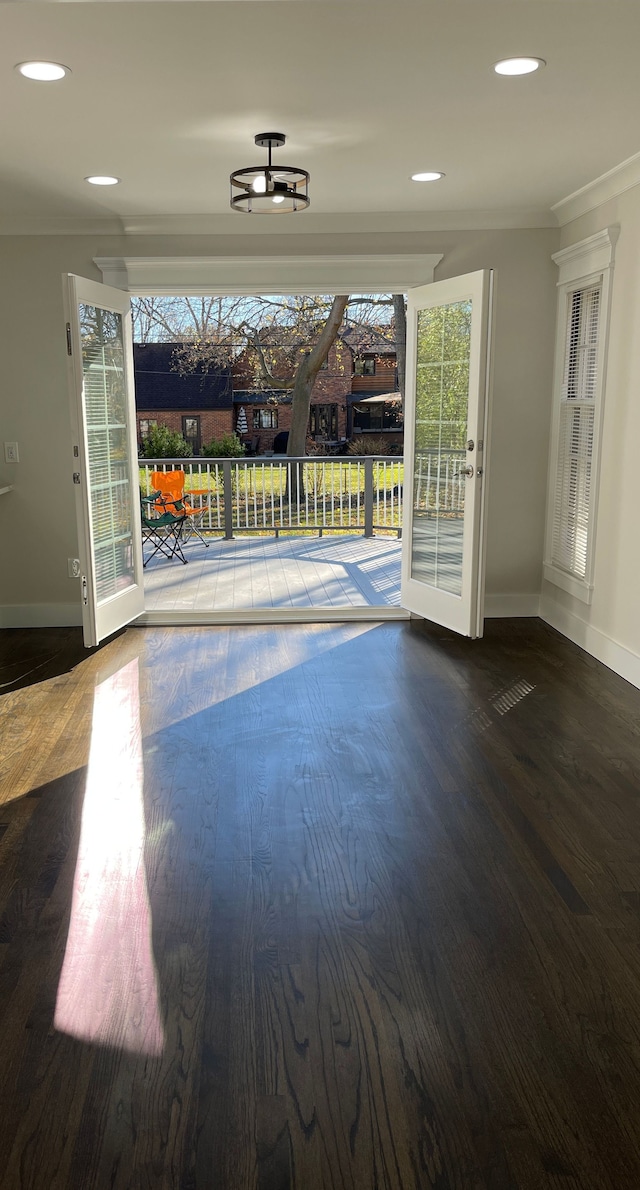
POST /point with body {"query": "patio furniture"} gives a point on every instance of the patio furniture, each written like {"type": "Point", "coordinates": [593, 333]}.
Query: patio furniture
{"type": "Point", "coordinates": [280, 442]}
{"type": "Point", "coordinates": [161, 529]}
{"type": "Point", "coordinates": [171, 487]}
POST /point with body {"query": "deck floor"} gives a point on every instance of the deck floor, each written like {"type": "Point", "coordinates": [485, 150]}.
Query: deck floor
{"type": "Point", "coordinates": [259, 572]}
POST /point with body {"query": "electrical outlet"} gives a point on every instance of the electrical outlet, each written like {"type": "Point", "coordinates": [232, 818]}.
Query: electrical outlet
{"type": "Point", "coordinates": [11, 452]}
{"type": "Point", "coordinates": [73, 566]}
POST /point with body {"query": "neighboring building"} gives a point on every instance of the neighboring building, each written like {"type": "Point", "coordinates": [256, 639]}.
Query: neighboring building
{"type": "Point", "coordinates": [199, 404]}
{"type": "Point", "coordinates": [206, 405]}
{"type": "Point", "coordinates": [269, 412]}
{"type": "Point", "coordinates": [374, 374]}
{"type": "Point", "coordinates": [360, 364]}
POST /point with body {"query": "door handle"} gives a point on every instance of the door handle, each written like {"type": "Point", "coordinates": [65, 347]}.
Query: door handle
{"type": "Point", "coordinates": [468, 471]}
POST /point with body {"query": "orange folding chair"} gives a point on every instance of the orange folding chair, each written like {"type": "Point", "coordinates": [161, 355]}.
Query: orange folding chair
{"type": "Point", "coordinates": [170, 485]}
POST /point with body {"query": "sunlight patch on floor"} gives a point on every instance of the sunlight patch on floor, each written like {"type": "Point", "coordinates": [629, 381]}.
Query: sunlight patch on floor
{"type": "Point", "coordinates": [108, 990]}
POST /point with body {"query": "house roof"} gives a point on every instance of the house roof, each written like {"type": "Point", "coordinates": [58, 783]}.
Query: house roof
{"type": "Point", "coordinates": [366, 341]}
{"type": "Point", "coordinates": [250, 396]}
{"type": "Point", "coordinates": [158, 386]}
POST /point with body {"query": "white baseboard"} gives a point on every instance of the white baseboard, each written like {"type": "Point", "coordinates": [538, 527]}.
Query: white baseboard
{"type": "Point", "coordinates": [621, 660]}
{"type": "Point", "coordinates": [511, 605]}
{"type": "Point", "coordinates": [40, 615]}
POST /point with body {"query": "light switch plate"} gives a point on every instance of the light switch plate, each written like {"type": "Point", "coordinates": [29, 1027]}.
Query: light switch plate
{"type": "Point", "coordinates": [11, 452]}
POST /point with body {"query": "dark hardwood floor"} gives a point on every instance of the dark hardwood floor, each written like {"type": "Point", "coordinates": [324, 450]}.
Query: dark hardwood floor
{"type": "Point", "coordinates": [329, 907]}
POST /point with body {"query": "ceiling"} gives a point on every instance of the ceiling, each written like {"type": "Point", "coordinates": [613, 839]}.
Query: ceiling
{"type": "Point", "coordinates": [169, 95]}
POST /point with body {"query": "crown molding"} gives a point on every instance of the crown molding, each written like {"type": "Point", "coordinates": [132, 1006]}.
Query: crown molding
{"type": "Point", "coordinates": [192, 275]}
{"type": "Point", "coordinates": [622, 177]}
{"type": "Point", "coordinates": [303, 223]}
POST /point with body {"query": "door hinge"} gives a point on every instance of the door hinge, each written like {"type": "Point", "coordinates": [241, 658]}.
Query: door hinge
{"type": "Point", "coordinates": [85, 595]}
{"type": "Point", "coordinates": [76, 477]}
{"type": "Point", "coordinates": [69, 351]}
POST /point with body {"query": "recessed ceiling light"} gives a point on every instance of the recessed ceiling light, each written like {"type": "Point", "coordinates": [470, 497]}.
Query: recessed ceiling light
{"type": "Point", "coordinates": [428, 176]}
{"type": "Point", "coordinates": [102, 180]}
{"type": "Point", "coordinates": [519, 65]}
{"type": "Point", "coordinates": [42, 72]}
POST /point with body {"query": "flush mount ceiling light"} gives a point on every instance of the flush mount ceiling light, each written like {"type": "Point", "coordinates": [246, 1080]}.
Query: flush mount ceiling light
{"type": "Point", "coordinates": [42, 72]}
{"type": "Point", "coordinates": [428, 176]}
{"type": "Point", "coordinates": [514, 66]}
{"type": "Point", "coordinates": [102, 180]}
{"type": "Point", "coordinates": [270, 189]}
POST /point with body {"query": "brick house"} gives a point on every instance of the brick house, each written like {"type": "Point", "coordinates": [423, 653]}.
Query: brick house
{"type": "Point", "coordinates": [269, 413]}
{"type": "Point", "coordinates": [374, 375]}
{"type": "Point", "coordinates": [360, 365]}
{"type": "Point", "coordinates": [206, 405]}
{"type": "Point", "coordinates": [198, 405]}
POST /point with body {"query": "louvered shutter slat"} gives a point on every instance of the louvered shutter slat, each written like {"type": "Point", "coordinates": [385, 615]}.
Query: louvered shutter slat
{"type": "Point", "coordinates": [572, 495]}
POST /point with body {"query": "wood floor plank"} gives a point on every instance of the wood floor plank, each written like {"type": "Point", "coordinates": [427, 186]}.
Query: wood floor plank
{"type": "Point", "coordinates": [359, 912]}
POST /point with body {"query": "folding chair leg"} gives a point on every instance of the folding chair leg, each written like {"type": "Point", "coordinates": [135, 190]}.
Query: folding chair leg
{"type": "Point", "coordinates": [166, 540]}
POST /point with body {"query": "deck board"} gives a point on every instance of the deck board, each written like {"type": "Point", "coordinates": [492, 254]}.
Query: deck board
{"type": "Point", "coordinates": [265, 572]}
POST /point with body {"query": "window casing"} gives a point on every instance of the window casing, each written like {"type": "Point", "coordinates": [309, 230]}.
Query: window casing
{"type": "Point", "coordinates": [265, 419]}
{"type": "Point", "coordinates": [364, 366]}
{"type": "Point", "coordinates": [191, 433]}
{"type": "Point", "coordinates": [145, 424]}
{"type": "Point", "coordinates": [583, 316]}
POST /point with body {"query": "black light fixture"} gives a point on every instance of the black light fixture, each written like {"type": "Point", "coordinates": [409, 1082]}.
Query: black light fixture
{"type": "Point", "coordinates": [269, 189]}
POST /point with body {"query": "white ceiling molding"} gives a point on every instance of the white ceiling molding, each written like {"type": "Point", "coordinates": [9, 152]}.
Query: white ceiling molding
{"type": "Point", "coordinates": [193, 275]}
{"type": "Point", "coordinates": [622, 177]}
{"type": "Point", "coordinates": [308, 223]}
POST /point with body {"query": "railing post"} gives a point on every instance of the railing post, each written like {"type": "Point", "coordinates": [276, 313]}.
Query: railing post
{"type": "Point", "coordinates": [228, 499]}
{"type": "Point", "coordinates": [368, 497]}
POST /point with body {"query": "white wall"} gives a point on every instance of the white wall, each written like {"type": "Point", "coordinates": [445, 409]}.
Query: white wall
{"type": "Point", "coordinates": [37, 520]}
{"type": "Point", "coordinates": [609, 627]}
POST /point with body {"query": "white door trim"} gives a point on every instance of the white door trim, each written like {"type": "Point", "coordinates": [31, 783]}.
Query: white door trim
{"type": "Point", "coordinates": [195, 275]}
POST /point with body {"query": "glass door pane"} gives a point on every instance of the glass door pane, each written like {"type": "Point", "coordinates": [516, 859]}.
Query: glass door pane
{"type": "Point", "coordinates": [442, 389]}
{"type": "Point", "coordinates": [109, 471]}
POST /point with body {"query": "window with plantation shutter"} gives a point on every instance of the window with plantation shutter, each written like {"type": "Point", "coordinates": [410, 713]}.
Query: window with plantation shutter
{"type": "Point", "coordinates": [580, 359]}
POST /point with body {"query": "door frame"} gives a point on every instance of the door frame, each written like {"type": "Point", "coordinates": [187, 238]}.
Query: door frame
{"type": "Point", "coordinates": [179, 276]}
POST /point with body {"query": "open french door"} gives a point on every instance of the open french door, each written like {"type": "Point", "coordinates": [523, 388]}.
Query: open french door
{"type": "Point", "coordinates": [105, 466]}
{"type": "Point", "coordinates": [445, 450]}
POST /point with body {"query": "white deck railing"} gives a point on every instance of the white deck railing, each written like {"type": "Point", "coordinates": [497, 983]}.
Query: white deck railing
{"type": "Point", "coordinates": [348, 494]}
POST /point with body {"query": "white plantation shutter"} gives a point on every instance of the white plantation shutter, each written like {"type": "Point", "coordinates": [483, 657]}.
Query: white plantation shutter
{"type": "Point", "coordinates": [573, 488]}
{"type": "Point", "coordinates": [581, 352]}
{"type": "Point", "coordinates": [583, 311]}
{"type": "Point", "coordinates": [572, 503]}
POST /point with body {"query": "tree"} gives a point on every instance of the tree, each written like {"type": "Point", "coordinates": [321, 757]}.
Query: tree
{"type": "Point", "coordinates": [442, 382]}
{"type": "Point", "coordinates": [283, 341]}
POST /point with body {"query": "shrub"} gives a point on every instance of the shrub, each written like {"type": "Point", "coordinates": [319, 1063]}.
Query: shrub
{"type": "Point", "coordinates": [367, 444]}
{"type": "Point", "coordinates": [227, 447]}
{"type": "Point", "coordinates": [163, 443]}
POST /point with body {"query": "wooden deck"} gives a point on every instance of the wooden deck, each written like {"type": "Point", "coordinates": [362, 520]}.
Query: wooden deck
{"type": "Point", "coordinates": [268, 572]}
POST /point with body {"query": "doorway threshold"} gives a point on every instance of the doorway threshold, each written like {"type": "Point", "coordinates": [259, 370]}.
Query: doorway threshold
{"type": "Point", "coordinates": [269, 615]}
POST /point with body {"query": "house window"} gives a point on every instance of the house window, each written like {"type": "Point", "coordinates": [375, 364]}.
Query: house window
{"type": "Point", "coordinates": [265, 419]}
{"type": "Point", "coordinates": [191, 433]}
{"type": "Point", "coordinates": [144, 425]}
{"type": "Point", "coordinates": [583, 312]}
{"type": "Point", "coordinates": [323, 421]}
{"type": "Point", "coordinates": [365, 366]}
{"type": "Point", "coordinates": [382, 415]}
